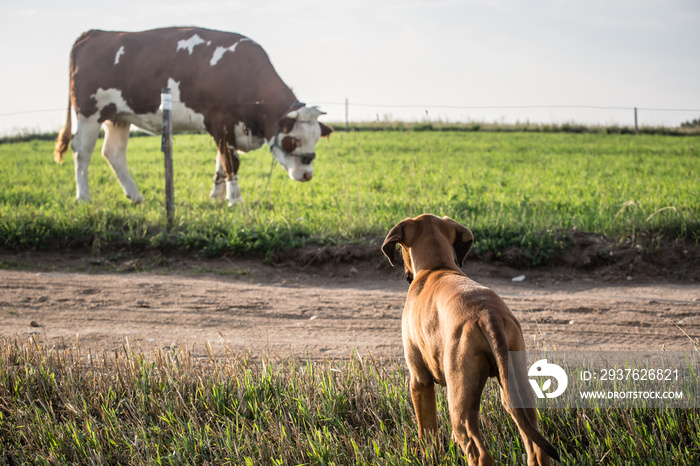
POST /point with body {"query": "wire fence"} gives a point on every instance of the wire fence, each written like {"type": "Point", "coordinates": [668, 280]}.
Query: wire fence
{"type": "Point", "coordinates": [511, 107]}
{"type": "Point", "coordinates": [413, 111]}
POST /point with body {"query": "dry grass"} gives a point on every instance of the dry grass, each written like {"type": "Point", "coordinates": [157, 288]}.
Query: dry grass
{"type": "Point", "coordinates": [87, 406]}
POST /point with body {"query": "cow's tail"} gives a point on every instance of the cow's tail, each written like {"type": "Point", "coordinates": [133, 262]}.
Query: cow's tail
{"type": "Point", "coordinates": [63, 139]}
{"type": "Point", "coordinates": [495, 335]}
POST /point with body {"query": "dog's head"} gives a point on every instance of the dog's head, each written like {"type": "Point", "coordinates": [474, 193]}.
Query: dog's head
{"type": "Point", "coordinates": [428, 242]}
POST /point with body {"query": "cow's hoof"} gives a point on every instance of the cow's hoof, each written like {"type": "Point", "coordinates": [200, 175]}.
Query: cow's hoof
{"type": "Point", "coordinates": [217, 193]}
{"type": "Point", "coordinates": [234, 201]}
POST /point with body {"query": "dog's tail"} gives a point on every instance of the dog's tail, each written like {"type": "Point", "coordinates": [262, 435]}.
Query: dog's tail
{"type": "Point", "coordinates": [497, 340]}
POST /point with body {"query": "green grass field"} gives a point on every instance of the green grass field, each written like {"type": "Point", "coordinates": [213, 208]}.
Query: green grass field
{"type": "Point", "coordinates": [91, 406]}
{"type": "Point", "coordinates": [518, 189]}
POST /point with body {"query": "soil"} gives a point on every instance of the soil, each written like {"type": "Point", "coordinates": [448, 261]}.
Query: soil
{"type": "Point", "coordinates": [318, 309]}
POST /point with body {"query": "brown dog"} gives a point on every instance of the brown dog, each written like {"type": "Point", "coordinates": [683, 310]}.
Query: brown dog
{"type": "Point", "coordinates": [457, 333]}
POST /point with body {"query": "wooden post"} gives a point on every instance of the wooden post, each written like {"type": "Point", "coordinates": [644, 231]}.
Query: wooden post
{"type": "Point", "coordinates": [636, 126]}
{"type": "Point", "coordinates": [347, 125]}
{"type": "Point", "coordinates": [167, 148]}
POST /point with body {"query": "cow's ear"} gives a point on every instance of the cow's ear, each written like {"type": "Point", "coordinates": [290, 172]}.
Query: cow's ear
{"type": "Point", "coordinates": [325, 130]}
{"type": "Point", "coordinates": [286, 124]}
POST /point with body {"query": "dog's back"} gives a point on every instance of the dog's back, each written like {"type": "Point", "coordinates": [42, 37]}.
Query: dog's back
{"type": "Point", "coordinates": [448, 299]}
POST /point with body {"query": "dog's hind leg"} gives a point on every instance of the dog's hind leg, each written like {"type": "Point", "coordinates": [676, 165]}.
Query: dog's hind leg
{"type": "Point", "coordinates": [464, 386]}
{"type": "Point", "coordinates": [535, 455]}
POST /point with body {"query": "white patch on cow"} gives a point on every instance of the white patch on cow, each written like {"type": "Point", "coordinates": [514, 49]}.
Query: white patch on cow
{"type": "Point", "coordinates": [220, 51]}
{"type": "Point", "coordinates": [183, 118]}
{"type": "Point", "coordinates": [190, 43]}
{"type": "Point", "coordinates": [104, 97]}
{"type": "Point", "coordinates": [119, 54]}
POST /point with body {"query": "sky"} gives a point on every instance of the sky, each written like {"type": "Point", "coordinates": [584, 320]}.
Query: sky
{"type": "Point", "coordinates": [503, 61]}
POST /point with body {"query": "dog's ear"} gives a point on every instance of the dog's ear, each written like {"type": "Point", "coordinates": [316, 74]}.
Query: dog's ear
{"type": "Point", "coordinates": [463, 240]}
{"type": "Point", "coordinates": [389, 246]}
{"type": "Point", "coordinates": [396, 235]}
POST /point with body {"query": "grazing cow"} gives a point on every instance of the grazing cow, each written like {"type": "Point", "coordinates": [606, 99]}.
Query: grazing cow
{"type": "Point", "coordinates": [220, 82]}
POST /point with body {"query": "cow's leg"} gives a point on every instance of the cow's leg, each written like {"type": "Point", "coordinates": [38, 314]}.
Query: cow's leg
{"type": "Point", "coordinates": [231, 162]}
{"type": "Point", "coordinates": [83, 145]}
{"type": "Point", "coordinates": [228, 157]}
{"type": "Point", "coordinates": [114, 150]}
{"type": "Point", "coordinates": [218, 190]}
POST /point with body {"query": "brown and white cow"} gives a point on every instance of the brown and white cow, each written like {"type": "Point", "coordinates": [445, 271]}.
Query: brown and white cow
{"type": "Point", "coordinates": [220, 82]}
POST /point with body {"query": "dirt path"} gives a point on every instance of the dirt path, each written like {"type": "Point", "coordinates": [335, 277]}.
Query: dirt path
{"type": "Point", "coordinates": [326, 312]}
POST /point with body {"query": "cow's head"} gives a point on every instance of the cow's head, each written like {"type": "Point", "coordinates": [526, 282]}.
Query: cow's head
{"type": "Point", "coordinates": [294, 142]}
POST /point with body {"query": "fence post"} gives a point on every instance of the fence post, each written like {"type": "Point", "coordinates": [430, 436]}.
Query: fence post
{"type": "Point", "coordinates": [167, 149]}
{"type": "Point", "coordinates": [347, 125]}
{"type": "Point", "coordinates": [636, 126]}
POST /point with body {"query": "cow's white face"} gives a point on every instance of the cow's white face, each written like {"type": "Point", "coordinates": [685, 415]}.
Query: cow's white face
{"type": "Point", "coordinates": [295, 144]}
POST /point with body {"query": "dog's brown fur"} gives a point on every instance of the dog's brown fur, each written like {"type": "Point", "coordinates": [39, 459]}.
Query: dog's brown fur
{"type": "Point", "coordinates": [457, 333]}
